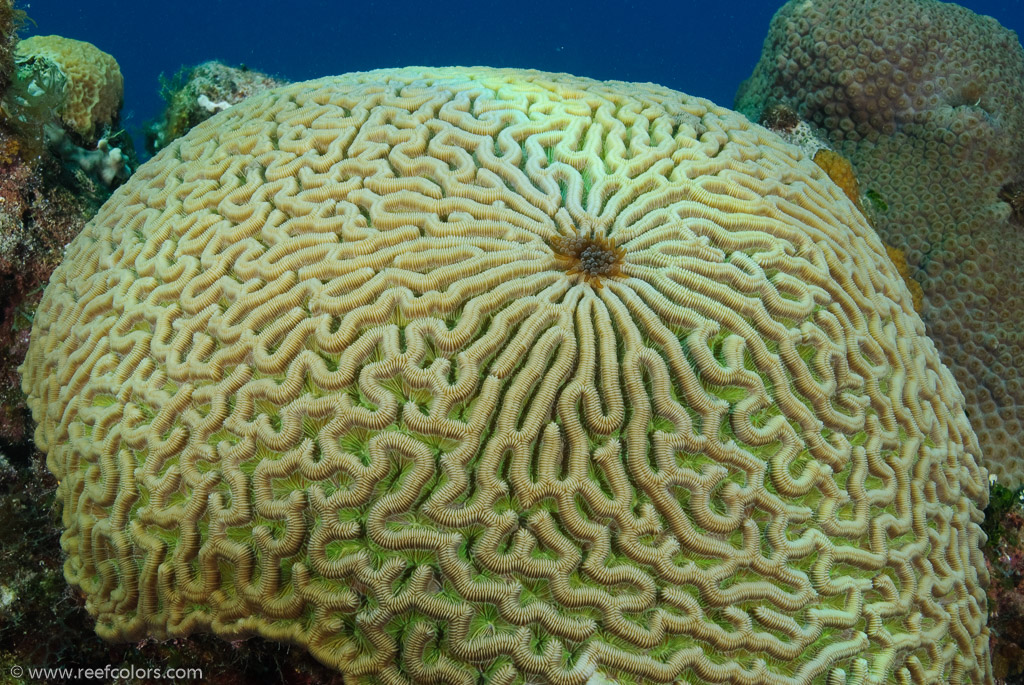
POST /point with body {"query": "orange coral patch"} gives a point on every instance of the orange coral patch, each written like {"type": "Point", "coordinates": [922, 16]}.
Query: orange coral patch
{"type": "Point", "coordinates": [900, 260]}
{"type": "Point", "coordinates": [840, 171]}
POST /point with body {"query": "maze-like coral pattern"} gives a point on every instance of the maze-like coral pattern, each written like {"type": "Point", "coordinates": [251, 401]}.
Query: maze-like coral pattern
{"type": "Point", "coordinates": [924, 98]}
{"type": "Point", "coordinates": [496, 376]}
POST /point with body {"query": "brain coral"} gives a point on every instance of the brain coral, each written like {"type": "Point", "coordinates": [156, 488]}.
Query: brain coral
{"type": "Point", "coordinates": [501, 376]}
{"type": "Point", "coordinates": [924, 98]}
{"type": "Point", "coordinates": [94, 88]}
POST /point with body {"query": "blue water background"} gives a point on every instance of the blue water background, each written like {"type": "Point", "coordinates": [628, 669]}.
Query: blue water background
{"type": "Point", "coordinates": [704, 49]}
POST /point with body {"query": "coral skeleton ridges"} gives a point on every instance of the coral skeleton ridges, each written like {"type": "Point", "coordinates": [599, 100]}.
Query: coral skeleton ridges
{"type": "Point", "coordinates": [554, 382]}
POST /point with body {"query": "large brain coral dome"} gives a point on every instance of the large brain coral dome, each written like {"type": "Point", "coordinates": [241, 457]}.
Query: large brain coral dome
{"type": "Point", "coordinates": [924, 97]}
{"type": "Point", "coordinates": [497, 376]}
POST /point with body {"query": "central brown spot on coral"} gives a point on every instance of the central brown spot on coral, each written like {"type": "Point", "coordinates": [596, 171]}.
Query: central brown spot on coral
{"type": "Point", "coordinates": [592, 257]}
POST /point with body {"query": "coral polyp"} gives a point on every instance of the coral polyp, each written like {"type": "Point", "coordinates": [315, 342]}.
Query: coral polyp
{"type": "Point", "coordinates": [593, 257]}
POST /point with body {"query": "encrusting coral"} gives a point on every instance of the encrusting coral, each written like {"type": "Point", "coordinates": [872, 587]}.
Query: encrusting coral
{"type": "Point", "coordinates": [923, 98]}
{"type": "Point", "coordinates": [474, 375]}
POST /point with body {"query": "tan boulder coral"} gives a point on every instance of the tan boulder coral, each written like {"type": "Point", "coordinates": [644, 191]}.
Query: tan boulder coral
{"type": "Point", "coordinates": [477, 375]}
{"type": "Point", "coordinates": [94, 88]}
{"type": "Point", "coordinates": [924, 99]}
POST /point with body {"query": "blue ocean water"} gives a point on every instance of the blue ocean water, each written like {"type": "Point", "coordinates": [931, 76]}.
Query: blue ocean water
{"type": "Point", "coordinates": [704, 49]}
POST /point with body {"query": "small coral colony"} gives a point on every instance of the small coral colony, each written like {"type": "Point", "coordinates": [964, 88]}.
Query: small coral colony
{"type": "Point", "coordinates": [474, 375]}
